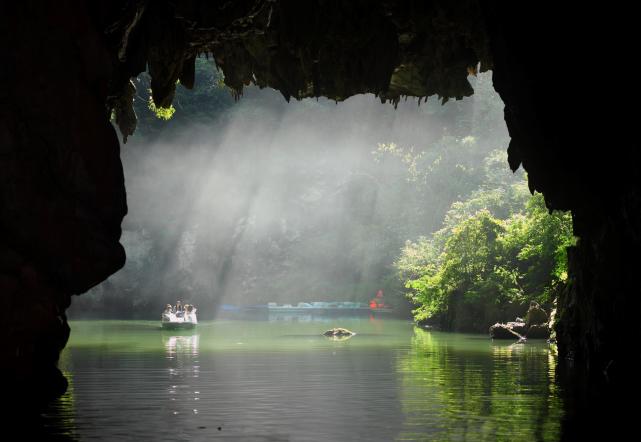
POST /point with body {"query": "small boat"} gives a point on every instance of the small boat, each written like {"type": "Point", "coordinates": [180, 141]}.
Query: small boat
{"type": "Point", "coordinates": [181, 320]}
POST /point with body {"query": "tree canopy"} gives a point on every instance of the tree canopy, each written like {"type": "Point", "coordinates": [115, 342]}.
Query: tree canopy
{"type": "Point", "coordinates": [492, 256]}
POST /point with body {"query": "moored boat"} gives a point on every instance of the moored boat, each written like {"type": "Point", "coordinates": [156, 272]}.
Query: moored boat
{"type": "Point", "coordinates": [329, 308]}
{"type": "Point", "coordinates": [375, 305]}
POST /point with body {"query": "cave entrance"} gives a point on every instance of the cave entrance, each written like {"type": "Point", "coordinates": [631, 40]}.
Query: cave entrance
{"type": "Point", "coordinates": [239, 204]}
{"type": "Point", "coordinates": [236, 206]}
{"type": "Point", "coordinates": [63, 196]}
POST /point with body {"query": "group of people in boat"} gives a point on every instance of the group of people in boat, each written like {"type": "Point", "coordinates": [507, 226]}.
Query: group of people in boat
{"type": "Point", "coordinates": [179, 311]}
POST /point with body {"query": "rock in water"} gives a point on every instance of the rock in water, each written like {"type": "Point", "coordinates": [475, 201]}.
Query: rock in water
{"type": "Point", "coordinates": [538, 331]}
{"type": "Point", "coordinates": [517, 326]}
{"type": "Point", "coordinates": [338, 333]}
{"type": "Point", "coordinates": [503, 331]}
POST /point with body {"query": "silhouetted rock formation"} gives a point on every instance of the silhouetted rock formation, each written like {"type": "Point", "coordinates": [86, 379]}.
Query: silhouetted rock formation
{"type": "Point", "coordinates": [538, 331]}
{"type": "Point", "coordinates": [310, 49]}
{"type": "Point", "coordinates": [67, 64]}
{"type": "Point", "coordinates": [62, 195]}
{"type": "Point", "coordinates": [535, 315]}
{"type": "Point", "coordinates": [573, 139]}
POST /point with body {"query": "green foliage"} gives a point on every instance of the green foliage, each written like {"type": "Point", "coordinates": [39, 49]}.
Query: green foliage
{"type": "Point", "coordinates": [497, 247]}
{"type": "Point", "coordinates": [408, 157]}
{"type": "Point", "coordinates": [478, 266]}
{"type": "Point", "coordinates": [536, 242]}
{"type": "Point", "coordinates": [207, 101]}
{"type": "Point", "coordinates": [162, 113]}
{"type": "Point", "coordinates": [450, 160]}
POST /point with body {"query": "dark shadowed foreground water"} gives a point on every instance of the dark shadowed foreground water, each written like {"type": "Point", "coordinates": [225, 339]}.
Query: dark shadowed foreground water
{"type": "Point", "coordinates": [282, 381]}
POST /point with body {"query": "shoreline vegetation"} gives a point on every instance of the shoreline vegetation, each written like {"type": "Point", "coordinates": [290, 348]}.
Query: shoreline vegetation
{"type": "Point", "coordinates": [481, 268]}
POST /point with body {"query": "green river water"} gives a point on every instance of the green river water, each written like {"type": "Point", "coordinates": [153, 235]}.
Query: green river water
{"type": "Point", "coordinates": [283, 381]}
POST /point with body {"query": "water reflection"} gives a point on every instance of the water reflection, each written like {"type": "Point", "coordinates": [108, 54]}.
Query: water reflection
{"type": "Point", "coordinates": [57, 422]}
{"type": "Point", "coordinates": [183, 371]}
{"type": "Point", "coordinates": [181, 345]}
{"type": "Point", "coordinates": [451, 390]}
{"type": "Point", "coordinates": [286, 382]}
{"type": "Point", "coordinates": [293, 317]}
{"type": "Point", "coordinates": [305, 318]}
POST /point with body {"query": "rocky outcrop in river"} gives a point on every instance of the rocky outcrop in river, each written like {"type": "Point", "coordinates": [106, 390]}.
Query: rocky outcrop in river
{"type": "Point", "coordinates": [535, 326]}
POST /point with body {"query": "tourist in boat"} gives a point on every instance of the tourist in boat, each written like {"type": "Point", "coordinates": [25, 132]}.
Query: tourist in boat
{"type": "Point", "coordinates": [188, 310]}
{"type": "Point", "coordinates": [179, 310]}
{"type": "Point", "coordinates": [179, 317]}
{"type": "Point", "coordinates": [166, 314]}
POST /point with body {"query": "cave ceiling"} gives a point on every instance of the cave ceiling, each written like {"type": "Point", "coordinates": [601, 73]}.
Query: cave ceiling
{"type": "Point", "coordinates": [334, 49]}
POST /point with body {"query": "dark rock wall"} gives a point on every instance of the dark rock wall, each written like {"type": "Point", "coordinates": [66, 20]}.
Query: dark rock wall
{"type": "Point", "coordinates": [559, 70]}
{"type": "Point", "coordinates": [62, 195]}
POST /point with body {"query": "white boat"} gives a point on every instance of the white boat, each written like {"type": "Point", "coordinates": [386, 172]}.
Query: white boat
{"type": "Point", "coordinates": [179, 320]}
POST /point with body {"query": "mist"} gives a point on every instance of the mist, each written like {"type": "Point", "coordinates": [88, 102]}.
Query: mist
{"type": "Point", "coordinates": [285, 202]}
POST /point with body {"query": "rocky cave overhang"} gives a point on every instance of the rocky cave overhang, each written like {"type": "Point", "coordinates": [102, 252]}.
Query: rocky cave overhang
{"type": "Point", "coordinates": [392, 49]}
{"type": "Point", "coordinates": [395, 49]}
{"type": "Point", "coordinates": [67, 67]}
{"type": "Point", "coordinates": [333, 49]}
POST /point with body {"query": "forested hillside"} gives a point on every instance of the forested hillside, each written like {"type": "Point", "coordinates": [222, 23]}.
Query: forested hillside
{"type": "Point", "coordinates": [260, 200]}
